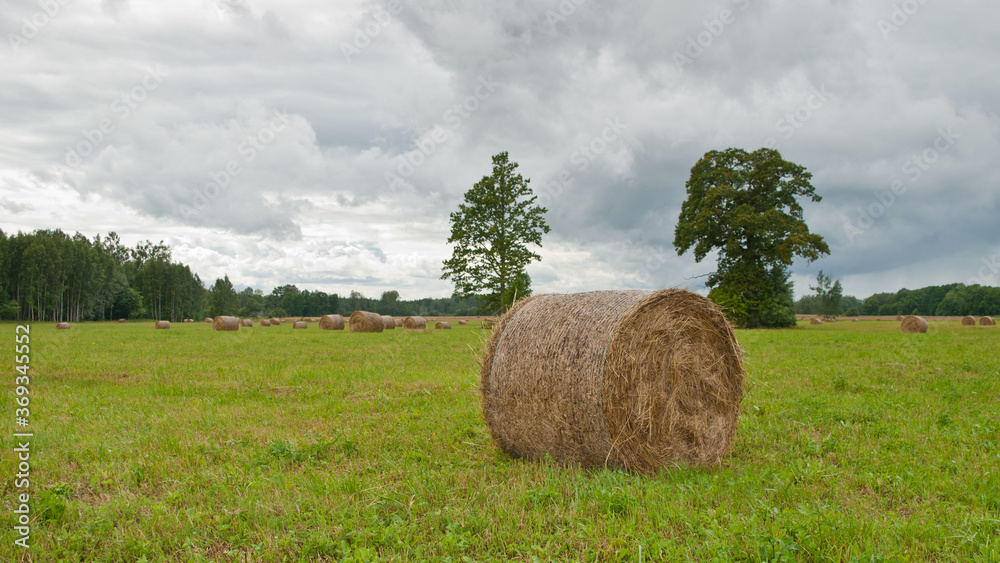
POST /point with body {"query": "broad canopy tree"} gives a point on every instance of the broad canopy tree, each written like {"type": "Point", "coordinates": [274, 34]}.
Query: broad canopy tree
{"type": "Point", "coordinates": [491, 232]}
{"type": "Point", "coordinates": [746, 207]}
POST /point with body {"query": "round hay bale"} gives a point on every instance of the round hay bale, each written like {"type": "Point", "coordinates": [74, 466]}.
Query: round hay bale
{"type": "Point", "coordinates": [900, 318]}
{"type": "Point", "coordinates": [968, 320]}
{"type": "Point", "coordinates": [462, 322]}
{"type": "Point", "coordinates": [854, 320]}
{"type": "Point", "coordinates": [913, 323]}
{"type": "Point", "coordinates": [246, 322]}
{"type": "Point", "coordinates": [331, 322]}
{"type": "Point", "coordinates": [388, 323]}
{"type": "Point", "coordinates": [398, 322]}
{"type": "Point", "coordinates": [300, 324]}
{"type": "Point", "coordinates": [987, 321]}
{"type": "Point", "coordinates": [62, 326]}
{"type": "Point", "coordinates": [208, 319]}
{"type": "Point", "coordinates": [815, 321]}
{"type": "Point", "coordinates": [225, 323]}
{"type": "Point", "coordinates": [123, 320]}
{"type": "Point", "coordinates": [275, 322]}
{"type": "Point", "coordinates": [162, 325]}
{"type": "Point", "coordinates": [363, 321]}
{"type": "Point", "coordinates": [661, 383]}
{"type": "Point", "coordinates": [265, 322]}
{"type": "Point", "coordinates": [443, 324]}
{"type": "Point", "coordinates": [414, 323]}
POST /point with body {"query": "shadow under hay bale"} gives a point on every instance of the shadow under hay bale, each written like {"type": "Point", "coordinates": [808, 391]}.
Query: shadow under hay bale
{"type": "Point", "coordinates": [162, 325]}
{"type": "Point", "coordinates": [987, 321]}
{"type": "Point", "coordinates": [62, 326]}
{"type": "Point", "coordinates": [225, 323]}
{"type": "Point", "coordinates": [300, 324]}
{"type": "Point", "coordinates": [363, 321]}
{"type": "Point", "coordinates": [414, 323]}
{"type": "Point", "coordinates": [661, 383]}
{"type": "Point", "coordinates": [913, 324]}
{"type": "Point", "coordinates": [388, 323]}
{"type": "Point", "coordinates": [331, 322]}
{"type": "Point", "coordinates": [968, 320]}
{"type": "Point", "coordinates": [443, 324]}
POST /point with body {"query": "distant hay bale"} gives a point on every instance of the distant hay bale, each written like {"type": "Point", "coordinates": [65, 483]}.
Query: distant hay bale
{"type": "Point", "coordinates": [398, 322]}
{"type": "Point", "coordinates": [913, 323]}
{"type": "Point", "coordinates": [854, 320]}
{"type": "Point", "coordinates": [299, 324]}
{"type": "Point", "coordinates": [265, 322]}
{"type": "Point", "coordinates": [660, 383]}
{"type": "Point", "coordinates": [331, 322]}
{"type": "Point", "coordinates": [246, 322]}
{"type": "Point", "coordinates": [123, 320]}
{"type": "Point", "coordinates": [443, 324]}
{"type": "Point", "coordinates": [462, 322]}
{"type": "Point", "coordinates": [968, 320]}
{"type": "Point", "coordinates": [225, 323]}
{"type": "Point", "coordinates": [363, 321]}
{"type": "Point", "coordinates": [208, 319]}
{"type": "Point", "coordinates": [987, 321]}
{"type": "Point", "coordinates": [275, 322]}
{"type": "Point", "coordinates": [899, 318]}
{"type": "Point", "coordinates": [388, 322]}
{"type": "Point", "coordinates": [414, 323]}
{"type": "Point", "coordinates": [189, 320]}
{"type": "Point", "coordinates": [62, 326]}
{"type": "Point", "coordinates": [163, 324]}
{"type": "Point", "coordinates": [815, 321]}
{"type": "Point", "coordinates": [487, 325]}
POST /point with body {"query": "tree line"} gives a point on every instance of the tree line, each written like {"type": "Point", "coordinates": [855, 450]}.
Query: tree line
{"type": "Point", "coordinates": [952, 300]}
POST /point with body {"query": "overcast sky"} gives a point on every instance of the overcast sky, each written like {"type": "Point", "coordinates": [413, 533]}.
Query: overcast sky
{"type": "Point", "coordinates": [324, 144]}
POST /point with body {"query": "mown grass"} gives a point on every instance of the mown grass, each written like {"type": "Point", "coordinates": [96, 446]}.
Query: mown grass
{"type": "Point", "coordinates": [857, 443]}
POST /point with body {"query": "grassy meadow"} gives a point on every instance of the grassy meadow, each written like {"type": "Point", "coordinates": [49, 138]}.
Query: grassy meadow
{"type": "Point", "coordinates": [856, 443]}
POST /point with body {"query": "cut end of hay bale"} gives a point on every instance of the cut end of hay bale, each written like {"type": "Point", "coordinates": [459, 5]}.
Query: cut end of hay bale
{"type": "Point", "coordinates": [388, 322]}
{"type": "Point", "coordinates": [225, 323]}
{"type": "Point", "coordinates": [62, 326]}
{"type": "Point", "coordinates": [443, 324]}
{"type": "Point", "coordinates": [363, 321]}
{"type": "Point", "coordinates": [913, 324]}
{"type": "Point", "coordinates": [987, 321]}
{"type": "Point", "coordinates": [331, 322]}
{"type": "Point", "coordinates": [162, 324]}
{"type": "Point", "coordinates": [300, 324]}
{"type": "Point", "coordinates": [815, 322]}
{"type": "Point", "coordinates": [968, 320]}
{"type": "Point", "coordinates": [414, 323]}
{"type": "Point", "coordinates": [660, 384]}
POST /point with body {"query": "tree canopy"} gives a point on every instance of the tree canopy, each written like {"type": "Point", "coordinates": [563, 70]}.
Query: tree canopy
{"type": "Point", "coordinates": [491, 232]}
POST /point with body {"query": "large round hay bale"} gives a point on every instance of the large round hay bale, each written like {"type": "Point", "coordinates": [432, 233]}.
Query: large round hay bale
{"type": "Point", "coordinates": [987, 321]}
{"type": "Point", "coordinates": [660, 383]}
{"type": "Point", "coordinates": [275, 322]}
{"type": "Point", "coordinates": [62, 326]}
{"type": "Point", "coordinates": [225, 323]}
{"type": "Point", "coordinates": [163, 325]}
{"type": "Point", "coordinates": [913, 323]}
{"type": "Point", "coordinates": [462, 322]}
{"type": "Point", "coordinates": [331, 322]}
{"type": "Point", "coordinates": [968, 320]}
{"type": "Point", "coordinates": [208, 319]}
{"type": "Point", "coordinates": [414, 323]}
{"type": "Point", "coordinates": [443, 324]}
{"type": "Point", "coordinates": [363, 321]}
{"type": "Point", "coordinates": [388, 323]}
{"type": "Point", "coordinates": [300, 324]}
{"type": "Point", "coordinates": [265, 322]}
{"type": "Point", "coordinates": [815, 321]}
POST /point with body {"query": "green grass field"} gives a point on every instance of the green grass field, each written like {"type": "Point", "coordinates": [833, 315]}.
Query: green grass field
{"type": "Point", "coordinates": [856, 443]}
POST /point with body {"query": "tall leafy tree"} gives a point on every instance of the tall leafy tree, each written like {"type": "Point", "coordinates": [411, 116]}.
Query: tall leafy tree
{"type": "Point", "coordinates": [829, 294]}
{"type": "Point", "coordinates": [222, 298]}
{"type": "Point", "coordinates": [746, 207]}
{"type": "Point", "coordinates": [491, 232]}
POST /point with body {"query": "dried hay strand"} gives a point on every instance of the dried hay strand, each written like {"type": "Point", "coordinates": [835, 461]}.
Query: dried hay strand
{"type": "Point", "coordinates": [162, 325]}
{"type": "Point", "coordinates": [815, 321]}
{"type": "Point", "coordinates": [300, 324]}
{"type": "Point", "coordinates": [388, 323]}
{"type": "Point", "coordinates": [275, 322]}
{"type": "Point", "coordinates": [331, 322]}
{"type": "Point", "coordinates": [912, 324]}
{"type": "Point", "coordinates": [462, 322]}
{"type": "Point", "coordinates": [987, 321]}
{"type": "Point", "coordinates": [661, 383]}
{"type": "Point", "coordinates": [414, 323]}
{"type": "Point", "coordinates": [363, 321]}
{"type": "Point", "coordinates": [265, 322]}
{"type": "Point", "coordinates": [398, 322]}
{"type": "Point", "coordinates": [225, 323]}
{"type": "Point", "coordinates": [968, 320]}
{"type": "Point", "coordinates": [62, 326]}
{"type": "Point", "coordinates": [443, 324]}
{"type": "Point", "coordinates": [208, 319]}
